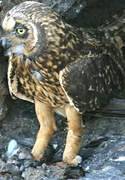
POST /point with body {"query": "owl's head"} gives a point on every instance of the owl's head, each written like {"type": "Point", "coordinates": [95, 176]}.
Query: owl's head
{"type": "Point", "coordinates": [30, 29]}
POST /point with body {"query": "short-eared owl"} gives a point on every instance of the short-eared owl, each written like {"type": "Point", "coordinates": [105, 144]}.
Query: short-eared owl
{"type": "Point", "coordinates": [59, 68]}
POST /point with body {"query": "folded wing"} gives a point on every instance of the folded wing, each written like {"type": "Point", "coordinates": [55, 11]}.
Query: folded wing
{"type": "Point", "coordinates": [91, 82]}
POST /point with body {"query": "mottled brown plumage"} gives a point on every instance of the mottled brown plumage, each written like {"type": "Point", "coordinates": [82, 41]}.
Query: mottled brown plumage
{"type": "Point", "coordinates": [60, 68]}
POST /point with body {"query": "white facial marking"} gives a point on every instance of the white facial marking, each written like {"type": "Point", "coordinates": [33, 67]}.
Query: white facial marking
{"type": "Point", "coordinates": [9, 79]}
{"type": "Point", "coordinates": [8, 23]}
{"type": "Point", "coordinates": [3, 39]}
{"type": "Point", "coordinates": [19, 50]}
{"type": "Point", "coordinates": [8, 53]}
{"type": "Point", "coordinates": [35, 33]}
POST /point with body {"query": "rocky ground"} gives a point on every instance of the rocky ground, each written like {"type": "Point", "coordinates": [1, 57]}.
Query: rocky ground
{"type": "Point", "coordinates": [103, 143]}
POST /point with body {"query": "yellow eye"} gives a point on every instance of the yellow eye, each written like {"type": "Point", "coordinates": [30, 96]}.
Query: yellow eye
{"type": "Point", "coordinates": [21, 31]}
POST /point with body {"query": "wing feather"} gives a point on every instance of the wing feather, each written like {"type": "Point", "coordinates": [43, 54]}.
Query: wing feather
{"type": "Point", "coordinates": [91, 82]}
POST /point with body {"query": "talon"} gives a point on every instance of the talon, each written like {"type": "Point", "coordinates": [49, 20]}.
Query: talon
{"type": "Point", "coordinates": [36, 154]}
{"type": "Point", "coordinates": [75, 161]}
{"type": "Point", "coordinates": [37, 151]}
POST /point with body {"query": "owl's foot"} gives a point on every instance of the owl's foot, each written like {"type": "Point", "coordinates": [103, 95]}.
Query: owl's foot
{"type": "Point", "coordinates": [37, 150]}
{"type": "Point", "coordinates": [73, 161]}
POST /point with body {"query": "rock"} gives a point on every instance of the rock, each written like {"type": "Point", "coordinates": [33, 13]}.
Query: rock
{"type": "Point", "coordinates": [53, 172]}
{"type": "Point", "coordinates": [3, 86]}
{"type": "Point", "coordinates": [67, 9]}
{"type": "Point", "coordinates": [16, 178]}
{"type": "Point", "coordinates": [104, 158]}
{"type": "Point", "coordinates": [105, 173]}
{"type": "Point", "coordinates": [24, 154]}
{"type": "Point", "coordinates": [34, 174]}
{"type": "Point", "coordinates": [55, 146]}
{"type": "Point", "coordinates": [11, 169]}
{"type": "Point", "coordinates": [12, 149]}
{"type": "Point", "coordinates": [70, 9]}
{"type": "Point", "coordinates": [74, 172]}
{"type": "Point", "coordinates": [2, 164]}
{"type": "Point", "coordinates": [5, 177]}
{"type": "Point", "coordinates": [3, 107]}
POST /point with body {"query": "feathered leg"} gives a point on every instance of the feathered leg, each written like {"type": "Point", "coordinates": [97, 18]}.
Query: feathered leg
{"type": "Point", "coordinates": [73, 140]}
{"type": "Point", "coordinates": [47, 127]}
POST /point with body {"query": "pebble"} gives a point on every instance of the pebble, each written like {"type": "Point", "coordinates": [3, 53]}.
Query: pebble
{"type": "Point", "coordinates": [73, 172]}
{"type": "Point", "coordinates": [22, 168]}
{"type": "Point", "coordinates": [121, 158]}
{"type": "Point", "coordinates": [16, 178]}
{"type": "Point", "coordinates": [24, 154]}
{"type": "Point", "coordinates": [27, 163]}
{"type": "Point", "coordinates": [11, 169]}
{"type": "Point", "coordinates": [12, 148]}
{"type": "Point", "coordinates": [23, 175]}
{"type": "Point", "coordinates": [14, 161]}
{"type": "Point", "coordinates": [55, 146]}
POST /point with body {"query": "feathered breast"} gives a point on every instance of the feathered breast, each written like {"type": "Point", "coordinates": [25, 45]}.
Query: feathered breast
{"type": "Point", "coordinates": [29, 80]}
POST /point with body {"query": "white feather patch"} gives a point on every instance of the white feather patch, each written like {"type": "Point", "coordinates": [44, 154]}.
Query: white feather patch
{"type": "Point", "coordinates": [69, 98]}
{"type": "Point", "coordinates": [9, 80]}
{"type": "Point", "coordinates": [8, 23]}
{"type": "Point", "coordinates": [19, 50]}
{"type": "Point", "coordinates": [37, 75]}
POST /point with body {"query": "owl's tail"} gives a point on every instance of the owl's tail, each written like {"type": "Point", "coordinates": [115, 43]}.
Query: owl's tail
{"type": "Point", "coordinates": [115, 108]}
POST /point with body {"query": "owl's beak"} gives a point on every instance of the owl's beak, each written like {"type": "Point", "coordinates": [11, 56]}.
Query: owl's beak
{"type": "Point", "coordinates": [5, 43]}
{"type": "Point", "coordinates": [3, 40]}
{"type": "Point", "coordinates": [6, 46]}
{"type": "Point", "coordinates": [16, 49]}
